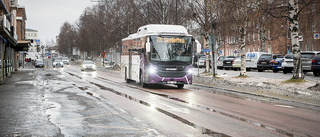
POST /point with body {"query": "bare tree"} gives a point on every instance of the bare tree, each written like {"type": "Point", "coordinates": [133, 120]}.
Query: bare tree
{"type": "Point", "coordinates": [291, 10]}
{"type": "Point", "coordinates": [66, 39]}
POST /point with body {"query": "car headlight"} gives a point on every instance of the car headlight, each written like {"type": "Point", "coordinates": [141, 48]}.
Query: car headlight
{"type": "Point", "coordinates": [189, 71]}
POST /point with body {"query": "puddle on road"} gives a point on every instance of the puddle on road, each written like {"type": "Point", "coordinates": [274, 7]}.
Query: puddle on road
{"type": "Point", "coordinates": [202, 129]}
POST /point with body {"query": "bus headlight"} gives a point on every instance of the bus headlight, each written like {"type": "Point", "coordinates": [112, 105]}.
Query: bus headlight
{"type": "Point", "coordinates": [189, 71]}
{"type": "Point", "coordinates": [152, 69]}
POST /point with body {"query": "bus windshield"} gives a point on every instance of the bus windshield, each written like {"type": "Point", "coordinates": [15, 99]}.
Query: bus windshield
{"type": "Point", "coordinates": [171, 48]}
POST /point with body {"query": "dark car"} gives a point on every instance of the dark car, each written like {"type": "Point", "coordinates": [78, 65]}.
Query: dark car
{"type": "Point", "coordinates": [277, 64]}
{"type": "Point", "coordinates": [265, 62]}
{"type": "Point", "coordinates": [315, 67]}
{"type": "Point", "coordinates": [228, 61]}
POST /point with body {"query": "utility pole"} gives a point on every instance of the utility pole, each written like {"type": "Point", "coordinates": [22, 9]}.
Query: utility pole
{"type": "Point", "coordinates": [176, 12]}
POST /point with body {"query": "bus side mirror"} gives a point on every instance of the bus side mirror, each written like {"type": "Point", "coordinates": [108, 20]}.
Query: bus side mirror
{"type": "Point", "coordinates": [148, 45]}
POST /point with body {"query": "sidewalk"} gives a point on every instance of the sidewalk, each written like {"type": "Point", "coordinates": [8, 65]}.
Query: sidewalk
{"type": "Point", "coordinates": [22, 107]}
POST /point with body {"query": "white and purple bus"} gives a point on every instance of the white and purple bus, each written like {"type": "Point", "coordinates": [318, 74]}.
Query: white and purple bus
{"type": "Point", "coordinates": [158, 54]}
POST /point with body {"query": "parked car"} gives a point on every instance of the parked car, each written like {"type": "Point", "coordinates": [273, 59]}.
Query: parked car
{"type": "Point", "coordinates": [65, 60]}
{"type": "Point", "coordinates": [57, 63]}
{"type": "Point", "coordinates": [220, 62]}
{"type": "Point", "coordinates": [287, 63]}
{"type": "Point", "coordinates": [236, 64]}
{"type": "Point", "coordinates": [203, 61]}
{"type": "Point", "coordinates": [315, 67]}
{"type": "Point", "coordinates": [228, 61]}
{"type": "Point", "coordinates": [264, 62]}
{"type": "Point", "coordinates": [277, 64]}
{"type": "Point", "coordinates": [196, 58]}
{"type": "Point", "coordinates": [88, 65]}
{"type": "Point", "coordinates": [39, 64]}
{"type": "Point", "coordinates": [306, 60]}
{"type": "Point", "coordinates": [252, 59]}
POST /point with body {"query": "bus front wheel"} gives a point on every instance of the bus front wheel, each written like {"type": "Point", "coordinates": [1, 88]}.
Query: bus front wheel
{"type": "Point", "coordinates": [180, 86]}
{"type": "Point", "coordinates": [144, 85]}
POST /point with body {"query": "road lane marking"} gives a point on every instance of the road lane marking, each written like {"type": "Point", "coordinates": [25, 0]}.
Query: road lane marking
{"type": "Point", "coordinates": [107, 127]}
{"type": "Point", "coordinates": [90, 117]}
{"type": "Point", "coordinates": [284, 106]}
{"type": "Point", "coordinates": [182, 110]}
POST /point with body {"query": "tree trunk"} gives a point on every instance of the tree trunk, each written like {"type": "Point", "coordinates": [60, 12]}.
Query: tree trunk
{"type": "Point", "coordinates": [262, 34]}
{"type": "Point", "coordinates": [294, 28]}
{"type": "Point", "coordinates": [243, 31]}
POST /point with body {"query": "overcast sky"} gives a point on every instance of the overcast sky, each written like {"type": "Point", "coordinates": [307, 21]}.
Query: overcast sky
{"type": "Point", "coordinates": [47, 16]}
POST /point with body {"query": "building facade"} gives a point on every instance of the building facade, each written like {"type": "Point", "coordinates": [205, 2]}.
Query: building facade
{"type": "Point", "coordinates": [12, 26]}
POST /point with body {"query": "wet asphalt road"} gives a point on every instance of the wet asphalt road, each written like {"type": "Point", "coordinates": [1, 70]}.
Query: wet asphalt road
{"type": "Point", "coordinates": [68, 102]}
{"type": "Point", "coordinates": [38, 103]}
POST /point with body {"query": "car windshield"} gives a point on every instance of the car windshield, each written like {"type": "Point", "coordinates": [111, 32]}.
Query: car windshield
{"type": "Point", "coordinates": [88, 62]}
{"type": "Point", "coordinates": [57, 60]}
{"type": "Point", "coordinates": [266, 56]}
{"type": "Point", "coordinates": [64, 58]}
{"type": "Point", "coordinates": [39, 61]}
{"type": "Point", "coordinates": [279, 59]}
{"type": "Point", "coordinates": [221, 58]}
{"type": "Point", "coordinates": [307, 55]}
{"type": "Point", "coordinates": [202, 58]}
{"type": "Point", "coordinates": [289, 56]}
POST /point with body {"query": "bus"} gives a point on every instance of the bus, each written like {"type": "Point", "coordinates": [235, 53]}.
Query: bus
{"type": "Point", "coordinates": [158, 54]}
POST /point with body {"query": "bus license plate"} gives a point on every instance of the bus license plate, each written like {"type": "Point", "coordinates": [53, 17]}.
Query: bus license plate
{"type": "Point", "coordinates": [172, 82]}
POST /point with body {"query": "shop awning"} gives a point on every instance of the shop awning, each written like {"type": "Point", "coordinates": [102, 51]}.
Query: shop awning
{"type": "Point", "coordinates": [23, 45]}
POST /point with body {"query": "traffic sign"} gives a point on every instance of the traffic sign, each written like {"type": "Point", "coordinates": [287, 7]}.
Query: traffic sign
{"type": "Point", "coordinates": [205, 50]}
{"type": "Point", "coordinates": [316, 36]}
{"type": "Point", "coordinates": [37, 41]}
{"type": "Point", "coordinates": [103, 53]}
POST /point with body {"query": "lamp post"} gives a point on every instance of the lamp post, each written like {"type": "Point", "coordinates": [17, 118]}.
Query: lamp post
{"type": "Point", "coordinates": [42, 51]}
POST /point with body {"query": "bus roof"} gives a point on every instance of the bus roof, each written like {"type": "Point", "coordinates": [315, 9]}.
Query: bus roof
{"type": "Point", "coordinates": [158, 29]}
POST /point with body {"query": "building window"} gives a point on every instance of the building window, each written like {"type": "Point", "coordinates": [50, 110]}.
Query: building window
{"type": "Point", "coordinates": [253, 37]}
{"type": "Point", "coordinates": [313, 47]}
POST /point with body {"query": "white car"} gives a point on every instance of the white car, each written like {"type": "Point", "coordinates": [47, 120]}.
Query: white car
{"type": "Point", "coordinates": [220, 62]}
{"type": "Point", "coordinates": [57, 63]}
{"type": "Point", "coordinates": [65, 60]}
{"type": "Point", "coordinates": [287, 63]}
{"type": "Point", "coordinates": [88, 65]}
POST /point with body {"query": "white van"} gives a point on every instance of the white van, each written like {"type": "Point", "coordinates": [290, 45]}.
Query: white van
{"type": "Point", "coordinates": [252, 58]}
